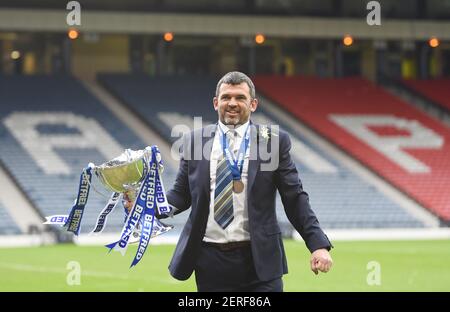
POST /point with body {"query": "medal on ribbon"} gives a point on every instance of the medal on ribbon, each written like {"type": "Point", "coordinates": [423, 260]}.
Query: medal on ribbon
{"type": "Point", "coordinates": [236, 165]}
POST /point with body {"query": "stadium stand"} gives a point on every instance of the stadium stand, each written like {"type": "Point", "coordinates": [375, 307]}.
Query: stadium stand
{"type": "Point", "coordinates": [398, 142]}
{"type": "Point", "coordinates": [340, 198]}
{"type": "Point", "coordinates": [7, 224]}
{"type": "Point", "coordinates": [173, 98]}
{"type": "Point", "coordinates": [51, 128]}
{"type": "Point", "coordinates": [435, 90]}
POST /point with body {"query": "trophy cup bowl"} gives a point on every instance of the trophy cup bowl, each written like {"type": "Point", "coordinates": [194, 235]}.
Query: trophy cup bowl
{"type": "Point", "coordinates": [124, 174]}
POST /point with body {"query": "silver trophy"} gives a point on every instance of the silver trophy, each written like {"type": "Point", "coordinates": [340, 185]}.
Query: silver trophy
{"type": "Point", "coordinates": [125, 174]}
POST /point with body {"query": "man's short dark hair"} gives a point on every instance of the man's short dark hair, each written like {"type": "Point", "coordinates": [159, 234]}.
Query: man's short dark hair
{"type": "Point", "coordinates": [235, 78]}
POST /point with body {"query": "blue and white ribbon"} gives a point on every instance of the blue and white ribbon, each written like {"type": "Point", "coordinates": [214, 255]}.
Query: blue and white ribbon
{"type": "Point", "coordinates": [132, 220]}
{"type": "Point", "coordinates": [161, 199]}
{"type": "Point", "coordinates": [156, 196]}
{"type": "Point", "coordinates": [103, 216]}
{"type": "Point", "coordinates": [73, 222]}
{"type": "Point", "coordinates": [56, 220]}
{"type": "Point", "coordinates": [149, 213]}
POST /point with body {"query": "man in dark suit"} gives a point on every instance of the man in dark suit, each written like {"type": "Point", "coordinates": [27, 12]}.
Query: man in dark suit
{"type": "Point", "coordinates": [232, 239]}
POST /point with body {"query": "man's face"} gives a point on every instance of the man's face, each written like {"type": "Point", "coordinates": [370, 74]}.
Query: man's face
{"type": "Point", "coordinates": [234, 104]}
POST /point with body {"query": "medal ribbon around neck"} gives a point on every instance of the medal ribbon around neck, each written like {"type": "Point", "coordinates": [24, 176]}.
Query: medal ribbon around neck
{"type": "Point", "coordinates": [235, 165]}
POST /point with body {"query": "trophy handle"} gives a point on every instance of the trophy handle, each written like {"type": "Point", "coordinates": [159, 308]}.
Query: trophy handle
{"type": "Point", "coordinates": [158, 229]}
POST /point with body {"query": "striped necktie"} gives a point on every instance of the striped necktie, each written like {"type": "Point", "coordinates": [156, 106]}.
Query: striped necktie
{"type": "Point", "coordinates": [223, 194]}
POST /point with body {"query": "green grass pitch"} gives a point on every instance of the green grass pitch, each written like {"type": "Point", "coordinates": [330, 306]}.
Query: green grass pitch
{"type": "Point", "coordinates": [404, 266]}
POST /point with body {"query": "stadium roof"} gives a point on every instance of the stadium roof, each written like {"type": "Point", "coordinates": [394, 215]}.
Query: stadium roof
{"type": "Point", "coordinates": [397, 9]}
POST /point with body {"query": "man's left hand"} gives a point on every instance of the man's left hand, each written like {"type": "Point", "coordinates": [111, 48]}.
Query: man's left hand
{"type": "Point", "coordinates": [321, 261]}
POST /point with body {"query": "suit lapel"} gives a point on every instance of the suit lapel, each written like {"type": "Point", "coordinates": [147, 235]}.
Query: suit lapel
{"type": "Point", "coordinates": [205, 161]}
{"type": "Point", "coordinates": [254, 160]}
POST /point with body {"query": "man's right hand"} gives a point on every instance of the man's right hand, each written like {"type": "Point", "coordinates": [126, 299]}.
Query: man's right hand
{"type": "Point", "coordinates": [128, 204]}
{"type": "Point", "coordinates": [321, 261]}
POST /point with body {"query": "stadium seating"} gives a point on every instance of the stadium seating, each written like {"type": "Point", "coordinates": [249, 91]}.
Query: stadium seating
{"type": "Point", "coordinates": [436, 90]}
{"type": "Point", "coordinates": [7, 224]}
{"type": "Point", "coordinates": [51, 128]}
{"type": "Point", "coordinates": [400, 143]}
{"type": "Point", "coordinates": [164, 101]}
{"type": "Point", "coordinates": [340, 198]}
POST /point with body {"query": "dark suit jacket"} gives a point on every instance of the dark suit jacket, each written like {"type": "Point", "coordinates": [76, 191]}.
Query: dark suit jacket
{"type": "Point", "coordinates": [192, 189]}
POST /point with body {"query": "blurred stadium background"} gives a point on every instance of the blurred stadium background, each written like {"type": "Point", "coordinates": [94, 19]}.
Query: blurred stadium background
{"type": "Point", "coordinates": [367, 107]}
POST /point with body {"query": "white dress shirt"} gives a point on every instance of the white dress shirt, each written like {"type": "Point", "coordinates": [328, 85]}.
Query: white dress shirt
{"type": "Point", "coordinates": [238, 229]}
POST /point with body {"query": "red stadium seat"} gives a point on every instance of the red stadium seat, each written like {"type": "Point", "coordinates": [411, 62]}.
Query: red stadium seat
{"type": "Point", "coordinates": [437, 90]}
{"type": "Point", "coordinates": [400, 143]}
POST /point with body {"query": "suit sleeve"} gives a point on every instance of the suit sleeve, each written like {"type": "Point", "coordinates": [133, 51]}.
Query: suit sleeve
{"type": "Point", "coordinates": [296, 200]}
